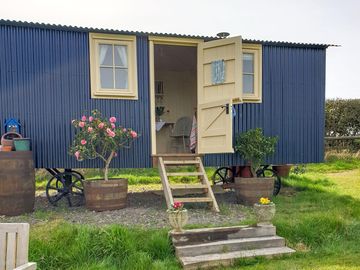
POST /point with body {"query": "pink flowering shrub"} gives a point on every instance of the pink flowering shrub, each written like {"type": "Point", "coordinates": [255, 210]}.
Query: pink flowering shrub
{"type": "Point", "coordinates": [100, 137]}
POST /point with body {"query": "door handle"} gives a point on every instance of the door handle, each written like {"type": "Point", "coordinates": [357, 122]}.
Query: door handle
{"type": "Point", "coordinates": [227, 108]}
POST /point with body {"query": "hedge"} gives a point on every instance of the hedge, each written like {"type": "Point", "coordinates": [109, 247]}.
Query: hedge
{"type": "Point", "coordinates": [343, 119]}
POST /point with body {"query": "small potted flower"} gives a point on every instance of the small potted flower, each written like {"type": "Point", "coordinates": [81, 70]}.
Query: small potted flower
{"type": "Point", "coordinates": [101, 137]}
{"type": "Point", "coordinates": [264, 211]}
{"type": "Point", "coordinates": [178, 216]}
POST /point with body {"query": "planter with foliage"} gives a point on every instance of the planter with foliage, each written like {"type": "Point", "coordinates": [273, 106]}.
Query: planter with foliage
{"type": "Point", "coordinates": [100, 137]}
{"type": "Point", "coordinates": [264, 211]}
{"type": "Point", "coordinates": [254, 147]}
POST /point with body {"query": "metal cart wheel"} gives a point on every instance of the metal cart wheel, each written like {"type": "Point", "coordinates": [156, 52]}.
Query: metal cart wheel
{"type": "Point", "coordinates": [223, 175]}
{"type": "Point", "coordinates": [265, 171]}
{"type": "Point", "coordinates": [66, 187]}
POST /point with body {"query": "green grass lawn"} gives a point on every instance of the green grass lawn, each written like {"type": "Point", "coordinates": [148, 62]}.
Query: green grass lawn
{"type": "Point", "coordinates": [318, 213]}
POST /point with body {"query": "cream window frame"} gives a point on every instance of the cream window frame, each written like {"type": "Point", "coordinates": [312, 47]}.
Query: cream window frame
{"type": "Point", "coordinates": [96, 91]}
{"type": "Point", "coordinates": [256, 50]}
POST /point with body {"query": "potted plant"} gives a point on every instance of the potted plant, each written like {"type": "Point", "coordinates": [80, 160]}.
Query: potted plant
{"type": "Point", "coordinates": [264, 211]}
{"type": "Point", "coordinates": [100, 137]}
{"type": "Point", "coordinates": [282, 170]}
{"type": "Point", "coordinates": [178, 216]}
{"type": "Point", "coordinates": [254, 147]}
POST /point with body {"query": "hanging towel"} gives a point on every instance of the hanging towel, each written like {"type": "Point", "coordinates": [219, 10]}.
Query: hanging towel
{"type": "Point", "coordinates": [193, 135]}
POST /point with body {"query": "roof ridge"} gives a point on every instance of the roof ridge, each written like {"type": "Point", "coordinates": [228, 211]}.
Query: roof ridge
{"type": "Point", "coordinates": [142, 33]}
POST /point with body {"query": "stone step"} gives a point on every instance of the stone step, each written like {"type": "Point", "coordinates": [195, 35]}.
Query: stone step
{"type": "Point", "coordinates": [228, 258]}
{"type": "Point", "coordinates": [205, 235]}
{"type": "Point", "coordinates": [230, 246]}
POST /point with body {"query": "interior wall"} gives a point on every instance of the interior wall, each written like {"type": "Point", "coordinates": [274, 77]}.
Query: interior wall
{"type": "Point", "coordinates": [180, 92]}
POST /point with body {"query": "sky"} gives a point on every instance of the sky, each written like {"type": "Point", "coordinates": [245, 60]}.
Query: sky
{"type": "Point", "coordinates": [312, 21]}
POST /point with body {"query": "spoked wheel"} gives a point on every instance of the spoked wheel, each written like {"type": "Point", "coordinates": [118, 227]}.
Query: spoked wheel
{"type": "Point", "coordinates": [223, 175]}
{"type": "Point", "coordinates": [65, 188]}
{"type": "Point", "coordinates": [267, 172]}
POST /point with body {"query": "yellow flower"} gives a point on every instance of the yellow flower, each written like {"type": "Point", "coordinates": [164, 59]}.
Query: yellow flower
{"type": "Point", "coordinates": [264, 201]}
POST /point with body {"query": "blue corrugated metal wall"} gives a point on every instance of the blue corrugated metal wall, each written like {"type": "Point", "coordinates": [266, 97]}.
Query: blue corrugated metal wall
{"type": "Point", "coordinates": [44, 81]}
{"type": "Point", "coordinates": [292, 107]}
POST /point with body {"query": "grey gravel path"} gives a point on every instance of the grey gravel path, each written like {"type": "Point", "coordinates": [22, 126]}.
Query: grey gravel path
{"type": "Point", "coordinates": [144, 209]}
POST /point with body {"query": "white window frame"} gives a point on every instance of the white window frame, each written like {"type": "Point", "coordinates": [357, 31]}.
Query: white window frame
{"type": "Point", "coordinates": [256, 50]}
{"type": "Point", "coordinates": [96, 91]}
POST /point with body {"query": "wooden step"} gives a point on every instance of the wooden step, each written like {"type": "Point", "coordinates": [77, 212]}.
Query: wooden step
{"type": "Point", "coordinates": [205, 235]}
{"type": "Point", "coordinates": [181, 162]}
{"type": "Point", "coordinates": [193, 200]}
{"type": "Point", "coordinates": [230, 245]}
{"type": "Point", "coordinates": [188, 186]}
{"type": "Point", "coordinates": [178, 155]}
{"type": "Point", "coordinates": [199, 171]}
{"type": "Point", "coordinates": [185, 174]}
{"type": "Point", "coordinates": [228, 258]}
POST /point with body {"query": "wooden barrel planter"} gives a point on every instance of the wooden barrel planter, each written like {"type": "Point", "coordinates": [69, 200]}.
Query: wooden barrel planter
{"type": "Point", "coordinates": [250, 190]}
{"type": "Point", "coordinates": [17, 183]}
{"type": "Point", "coordinates": [103, 195]}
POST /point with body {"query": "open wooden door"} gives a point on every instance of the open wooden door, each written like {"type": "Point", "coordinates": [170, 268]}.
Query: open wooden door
{"type": "Point", "coordinates": [219, 86]}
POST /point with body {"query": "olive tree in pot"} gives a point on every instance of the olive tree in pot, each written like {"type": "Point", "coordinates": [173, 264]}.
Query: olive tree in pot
{"type": "Point", "coordinates": [254, 147]}
{"type": "Point", "coordinates": [100, 137]}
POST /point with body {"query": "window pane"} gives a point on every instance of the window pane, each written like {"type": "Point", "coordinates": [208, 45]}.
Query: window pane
{"type": "Point", "coordinates": [106, 78]}
{"type": "Point", "coordinates": [120, 56]}
{"type": "Point", "coordinates": [248, 84]}
{"type": "Point", "coordinates": [121, 78]}
{"type": "Point", "coordinates": [106, 54]}
{"type": "Point", "coordinates": [248, 63]}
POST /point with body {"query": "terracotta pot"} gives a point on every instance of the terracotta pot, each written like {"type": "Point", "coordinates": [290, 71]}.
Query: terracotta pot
{"type": "Point", "coordinates": [264, 213]}
{"type": "Point", "coordinates": [282, 170]}
{"type": "Point", "coordinates": [101, 195]}
{"type": "Point", "coordinates": [6, 148]}
{"type": "Point", "coordinates": [178, 219]}
{"type": "Point", "coordinates": [250, 190]}
{"type": "Point", "coordinates": [245, 171]}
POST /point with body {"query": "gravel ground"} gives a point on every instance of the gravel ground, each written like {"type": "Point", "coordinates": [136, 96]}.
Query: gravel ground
{"type": "Point", "coordinates": [144, 209]}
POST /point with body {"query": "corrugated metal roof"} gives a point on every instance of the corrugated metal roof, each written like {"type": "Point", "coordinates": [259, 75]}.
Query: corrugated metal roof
{"type": "Point", "coordinates": [140, 33]}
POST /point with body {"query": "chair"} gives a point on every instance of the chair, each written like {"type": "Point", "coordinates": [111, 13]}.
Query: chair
{"type": "Point", "coordinates": [182, 129]}
{"type": "Point", "coordinates": [14, 247]}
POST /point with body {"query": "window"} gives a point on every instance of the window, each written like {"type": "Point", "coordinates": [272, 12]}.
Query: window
{"type": "Point", "coordinates": [252, 72]}
{"type": "Point", "coordinates": [113, 66]}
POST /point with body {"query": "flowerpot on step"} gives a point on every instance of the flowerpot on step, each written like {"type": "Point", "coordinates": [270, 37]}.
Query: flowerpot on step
{"type": "Point", "coordinates": [178, 219]}
{"type": "Point", "coordinates": [101, 195]}
{"type": "Point", "coordinates": [264, 213]}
